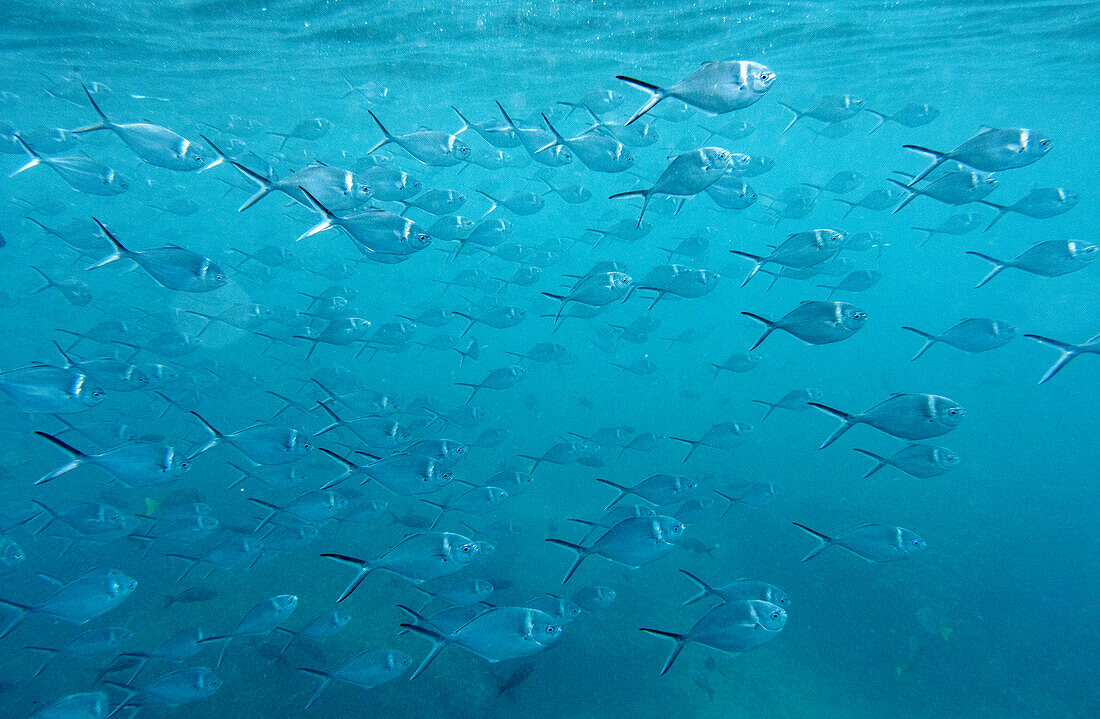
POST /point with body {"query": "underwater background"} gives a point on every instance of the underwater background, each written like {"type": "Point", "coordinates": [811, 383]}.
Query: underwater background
{"type": "Point", "coordinates": [995, 618]}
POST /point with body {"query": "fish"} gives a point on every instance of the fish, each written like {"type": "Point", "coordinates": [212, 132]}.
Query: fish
{"type": "Point", "coordinates": [45, 389]}
{"type": "Point", "coordinates": [832, 109]}
{"type": "Point", "coordinates": [417, 558]}
{"type": "Point", "coordinates": [134, 464]}
{"type": "Point", "coordinates": [633, 542]}
{"type": "Point", "coordinates": [366, 670]}
{"type": "Point", "coordinates": [970, 335]}
{"type": "Point", "coordinates": [724, 435]}
{"type": "Point", "coordinates": [429, 147]}
{"type": "Point", "coordinates": [259, 621]}
{"type": "Point", "coordinates": [738, 590]}
{"type": "Point", "coordinates": [658, 489]}
{"type": "Point", "coordinates": [716, 88]}
{"type": "Point", "coordinates": [1042, 204]}
{"type": "Point", "coordinates": [905, 416]}
{"type": "Point", "coordinates": [310, 129]}
{"type": "Point", "coordinates": [991, 150]}
{"type": "Point", "coordinates": [815, 322]}
{"type": "Point", "coordinates": [193, 594]}
{"type": "Point", "coordinates": [687, 174]}
{"type": "Point", "coordinates": [917, 460]}
{"type": "Point", "coordinates": [172, 266]}
{"type": "Point", "coordinates": [800, 250]}
{"type": "Point", "coordinates": [173, 689]}
{"type": "Point", "coordinates": [497, 634]}
{"type": "Point", "coordinates": [734, 627]}
{"type": "Point", "coordinates": [154, 144]}
{"type": "Point", "coordinates": [92, 594]}
{"type": "Point", "coordinates": [1068, 352]}
{"type": "Point", "coordinates": [80, 173]}
{"type": "Point", "coordinates": [1051, 258]}
{"type": "Point", "coordinates": [262, 444]}
{"type": "Point", "coordinates": [870, 542]}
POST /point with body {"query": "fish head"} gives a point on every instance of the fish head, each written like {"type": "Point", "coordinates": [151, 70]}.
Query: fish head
{"type": "Point", "coordinates": [284, 604]}
{"type": "Point", "coordinates": [213, 276]}
{"type": "Point", "coordinates": [122, 586]}
{"type": "Point", "coordinates": [668, 529]}
{"type": "Point", "coordinates": [11, 554]}
{"type": "Point", "coordinates": [760, 77]}
{"type": "Point", "coordinates": [483, 588]}
{"type": "Point", "coordinates": [777, 596]}
{"type": "Point", "coordinates": [361, 192]}
{"type": "Point", "coordinates": [1033, 143]}
{"type": "Point", "coordinates": [177, 468]}
{"type": "Point", "coordinates": [298, 444]}
{"type": "Point", "coordinates": [770, 616]}
{"type": "Point", "coordinates": [397, 662]}
{"type": "Point", "coordinates": [207, 524]}
{"type": "Point", "coordinates": [852, 102]}
{"type": "Point", "coordinates": [462, 549]}
{"type": "Point", "coordinates": [541, 628]}
{"type": "Point", "coordinates": [1003, 329]}
{"type": "Point", "coordinates": [852, 317]}
{"type": "Point", "coordinates": [1081, 251]}
{"type": "Point", "coordinates": [947, 412]}
{"type": "Point", "coordinates": [945, 458]}
{"type": "Point", "coordinates": [417, 240]}
{"type": "Point", "coordinates": [910, 541]}
{"type": "Point", "coordinates": [207, 682]}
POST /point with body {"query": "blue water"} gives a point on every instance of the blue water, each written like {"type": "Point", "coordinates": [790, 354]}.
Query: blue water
{"type": "Point", "coordinates": [994, 619]}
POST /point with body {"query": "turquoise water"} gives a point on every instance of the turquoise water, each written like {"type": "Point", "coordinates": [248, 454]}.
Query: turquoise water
{"type": "Point", "coordinates": [993, 618]}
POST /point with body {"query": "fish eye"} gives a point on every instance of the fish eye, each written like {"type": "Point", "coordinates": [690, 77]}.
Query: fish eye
{"type": "Point", "coordinates": [838, 237]}
{"type": "Point", "coordinates": [1044, 143]}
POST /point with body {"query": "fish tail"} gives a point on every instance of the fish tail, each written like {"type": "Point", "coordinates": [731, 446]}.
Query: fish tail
{"type": "Point", "coordinates": [216, 436]}
{"type": "Point", "coordinates": [998, 267]}
{"type": "Point", "coordinates": [912, 194]}
{"type": "Point", "coordinates": [770, 405]}
{"type": "Point", "coordinates": [491, 199]}
{"type": "Point", "coordinates": [119, 252]}
{"type": "Point", "coordinates": [469, 384]}
{"type": "Point", "coordinates": [221, 156]}
{"type": "Point", "coordinates": [680, 642]}
{"type": "Point", "coordinates": [1068, 352]}
{"type": "Point", "coordinates": [768, 324]}
{"type": "Point", "coordinates": [826, 540]}
{"type": "Point", "coordinates": [657, 94]}
{"type": "Point", "coordinates": [623, 491]}
{"type": "Point", "coordinates": [705, 589]}
{"type": "Point", "coordinates": [104, 122]}
{"type": "Point", "coordinates": [848, 421]}
{"type": "Point", "coordinates": [1001, 212]}
{"type": "Point", "coordinates": [325, 678]}
{"type": "Point", "coordinates": [938, 159]}
{"type": "Point", "coordinates": [49, 282]}
{"type": "Point", "coordinates": [190, 562]}
{"type": "Point", "coordinates": [558, 139]}
{"type": "Point", "coordinates": [36, 159]}
{"type": "Point", "coordinates": [78, 459]}
{"type": "Point", "coordinates": [273, 510]}
{"type": "Point", "coordinates": [881, 461]}
{"type": "Point", "coordinates": [21, 611]}
{"type": "Point", "coordinates": [438, 642]}
{"type": "Point", "coordinates": [364, 569]}
{"type": "Point", "coordinates": [882, 118]}
{"type": "Point", "coordinates": [694, 443]}
{"type": "Point", "coordinates": [798, 115]}
{"type": "Point", "coordinates": [929, 340]}
{"type": "Point", "coordinates": [582, 554]}
{"type": "Point", "coordinates": [386, 136]}
{"type": "Point", "coordinates": [265, 184]}
{"type": "Point", "coordinates": [465, 122]}
{"type": "Point", "coordinates": [756, 267]}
